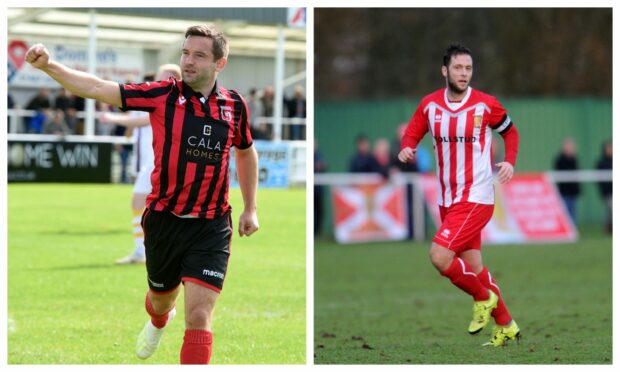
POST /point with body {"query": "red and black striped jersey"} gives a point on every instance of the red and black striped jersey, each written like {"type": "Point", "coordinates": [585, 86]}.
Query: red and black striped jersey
{"type": "Point", "coordinates": [192, 138]}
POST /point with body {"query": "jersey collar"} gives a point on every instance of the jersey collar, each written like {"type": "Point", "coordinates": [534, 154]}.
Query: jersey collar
{"type": "Point", "coordinates": [456, 105]}
{"type": "Point", "coordinates": [188, 92]}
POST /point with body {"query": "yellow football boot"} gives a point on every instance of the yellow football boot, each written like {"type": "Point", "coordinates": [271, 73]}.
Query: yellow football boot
{"type": "Point", "coordinates": [482, 313]}
{"type": "Point", "coordinates": [503, 334]}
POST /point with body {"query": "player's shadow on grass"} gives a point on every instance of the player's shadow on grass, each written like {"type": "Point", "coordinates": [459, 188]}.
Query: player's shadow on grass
{"type": "Point", "coordinates": [84, 233]}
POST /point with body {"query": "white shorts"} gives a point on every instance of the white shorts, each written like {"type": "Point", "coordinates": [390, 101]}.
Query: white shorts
{"type": "Point", "coordinates": [143, 180]}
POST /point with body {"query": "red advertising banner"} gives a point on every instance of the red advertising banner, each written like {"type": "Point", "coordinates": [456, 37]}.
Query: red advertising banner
{"type": "Point", "coordinates": [536, 206]}
{"type": "Point", "coordinates": [527, 209]}
{"type": "Point", "coordinates": [370, 213]}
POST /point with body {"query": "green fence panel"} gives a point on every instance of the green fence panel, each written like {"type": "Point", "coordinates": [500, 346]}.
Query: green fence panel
{"type": "Point", "coordinates": [543, 123]}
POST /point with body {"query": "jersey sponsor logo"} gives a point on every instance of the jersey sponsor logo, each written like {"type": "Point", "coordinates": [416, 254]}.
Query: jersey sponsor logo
{"type": "Point", "coordinates": [457, 139]}
{"type": "Point", "coordinates": [204, 143]}
{"type": "Point", "coordinates": [226, 113]}
{"type": "Point", "coordinates": [215, 274]}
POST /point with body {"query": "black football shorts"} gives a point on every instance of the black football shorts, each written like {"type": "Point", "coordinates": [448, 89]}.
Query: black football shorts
{"type": "Point", "coordinates": [186, 249]}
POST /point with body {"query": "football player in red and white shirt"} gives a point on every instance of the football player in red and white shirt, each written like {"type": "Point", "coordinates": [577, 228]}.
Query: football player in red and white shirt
{"type": "Point", "coordinates": [460, 120]}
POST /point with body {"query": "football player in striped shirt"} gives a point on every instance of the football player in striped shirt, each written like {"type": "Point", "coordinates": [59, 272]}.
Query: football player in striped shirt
{"type": "Point", "coordinates": [187, 221]}
{"type": "Point", "coordinates": [460, 120]}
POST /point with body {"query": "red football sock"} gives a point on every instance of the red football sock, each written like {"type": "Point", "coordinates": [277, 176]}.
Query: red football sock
{"type": "Point", "coordinates": [196, 347]}
{"type": "Point", "coordinates": [158, 320]}
{"type": "Point", "coordinates": [500, 313]}
{"type": "Point", "coordinates": [462, 276]}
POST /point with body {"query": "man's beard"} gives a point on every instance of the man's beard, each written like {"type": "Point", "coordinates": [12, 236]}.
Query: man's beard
{"type": "Point", "coordinates": [454, 87]}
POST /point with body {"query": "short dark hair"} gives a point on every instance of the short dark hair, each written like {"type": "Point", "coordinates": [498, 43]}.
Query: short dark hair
{"type": "Point", "coordinates": [220, 44]}
{"type": "Point", "coordinates": [453, 50]}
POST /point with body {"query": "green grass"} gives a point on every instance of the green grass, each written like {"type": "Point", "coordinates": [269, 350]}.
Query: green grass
{"type": "Point", "coordinates": [69, 304]}
{"type": "Point", "coordinates": [390, 298]}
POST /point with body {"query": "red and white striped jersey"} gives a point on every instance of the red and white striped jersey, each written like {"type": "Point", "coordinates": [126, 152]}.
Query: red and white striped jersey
{"type": "Point", "coordinates": [462, 142]}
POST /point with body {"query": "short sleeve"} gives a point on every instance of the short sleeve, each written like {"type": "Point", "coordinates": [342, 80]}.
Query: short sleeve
{"type": "Point", "coordinates": [243, 137]}
{"type": "Point", "coordinates": [145, 96]}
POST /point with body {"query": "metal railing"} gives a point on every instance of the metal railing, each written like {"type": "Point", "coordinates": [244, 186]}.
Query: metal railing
{"type": "Point", "coordinates": [16, 124]}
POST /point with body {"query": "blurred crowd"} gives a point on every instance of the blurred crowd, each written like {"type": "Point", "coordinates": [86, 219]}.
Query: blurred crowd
{"type": "Point", "coordinates": [53, 115]}
{"type": "Point", "coordinates": [261, 105]}
{"type": "Point", "coordinates": [382, 157]}
{"type": "Point", "coordinates": [57, 113]}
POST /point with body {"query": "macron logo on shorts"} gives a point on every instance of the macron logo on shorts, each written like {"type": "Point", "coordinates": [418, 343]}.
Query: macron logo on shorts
{"type": "Point", "coordinates": [445, 233]}
{"type": "Point", "coordinates": [157, 285]}
{"type": "Point", "coordinates": [213, 274]}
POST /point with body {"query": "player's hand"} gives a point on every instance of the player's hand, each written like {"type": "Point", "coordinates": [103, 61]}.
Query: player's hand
{"type": "Point", "coordinates": [248, 223]}
{"type": "Point", "coordinates": [505, 173]}
{"type": "Point", "coordinates": [38, 56]}
{"type": "Point", "coordinates": [406, 155]}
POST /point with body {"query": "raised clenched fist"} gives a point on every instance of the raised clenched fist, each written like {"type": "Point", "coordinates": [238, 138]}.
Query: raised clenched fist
{"type": "Point", "coordinates": [38, 56]}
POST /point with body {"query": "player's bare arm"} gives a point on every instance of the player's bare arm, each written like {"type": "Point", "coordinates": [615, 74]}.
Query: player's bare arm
{"type": "Point", "coordinates": [247, 173]}
{"type": "Point", "coordinates": [125, 120]}
{"type": "Point", "coordinates": [506, 170]}
{"type": "Point", "coordinates": [406, 155]}
{"type": "Point", "coordinates": [77, 82]}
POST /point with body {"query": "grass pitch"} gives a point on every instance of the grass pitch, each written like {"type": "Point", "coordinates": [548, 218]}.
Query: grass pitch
{"type": "Point", "coordinates": [386, 304]}
{"type": "Point", "coordinates": [69, 304]}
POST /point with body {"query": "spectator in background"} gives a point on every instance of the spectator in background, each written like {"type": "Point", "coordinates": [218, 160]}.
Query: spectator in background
{"type": "Point", "coordinates": [296, 108]}
{"type": "Point", "coordinates": [255, 108]}
{"type": "Point", "coordinates": [9, 105]}
{"type": "Point", "coordinates": [71, 120]}
{"type": "Point", "coordinates": [63, 100]}
{"type": "Point", "coordinates": [79, 103]}
{"type": "Point", "coordinates": [363, 161]}
{"type": "Point", "coordinates": [567, 161]}
{"type": "Point", "coordinates": [56, 124]}
{"type": "Point", "coordinates": [267, 103]}
{"type": "Point", "coordinates": [319, 167]}
{"type": "Point", "coordinates": [606, 188]}
{"type": "Point", "coordinates": [35, 125]}
{"type": "Point", "coordinates": [381, 153]}
{"type": "Point", "coordinates": [38, 103]}
{"type": "Point", "coordinates": [41, 101]}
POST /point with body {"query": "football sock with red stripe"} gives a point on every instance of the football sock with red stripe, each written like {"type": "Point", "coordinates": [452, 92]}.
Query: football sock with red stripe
{"type": "Point", "coordinates": [462, 276]}
{"type": "Point", "coordinates": [158, 320]}
{"type": "Point", "coordinates": [196, 347]}
{"type": "Point", "coordinates": [500, 313]}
